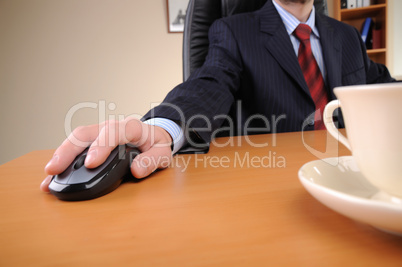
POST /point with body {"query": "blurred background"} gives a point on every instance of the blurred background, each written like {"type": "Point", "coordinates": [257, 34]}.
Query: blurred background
{"type": "Point", "coordinates": [89, 60]}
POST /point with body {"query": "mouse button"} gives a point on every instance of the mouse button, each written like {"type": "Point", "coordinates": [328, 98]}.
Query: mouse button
{"type": "Point", "coordinates": [83, 175]}
{"type": "Point", "coordinates": [60, 179]}
{"type": "Point", "coordinates": [63, 177]}
{"type": "Point", "coordinates": [86, 175]}
{"type": "Point", "coordinates": [79, 161]}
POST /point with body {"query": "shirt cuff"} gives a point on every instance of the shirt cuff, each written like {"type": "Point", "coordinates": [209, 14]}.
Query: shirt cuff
{"type": "Point", "coordinates": [175, 131]}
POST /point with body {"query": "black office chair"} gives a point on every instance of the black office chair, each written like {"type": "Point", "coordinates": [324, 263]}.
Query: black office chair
{"type": "Point", "coordinates": [199, 17]}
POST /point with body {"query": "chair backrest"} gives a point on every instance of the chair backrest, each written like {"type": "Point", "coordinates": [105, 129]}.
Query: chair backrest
{"type": "Point", "coordinates": [199, 17]}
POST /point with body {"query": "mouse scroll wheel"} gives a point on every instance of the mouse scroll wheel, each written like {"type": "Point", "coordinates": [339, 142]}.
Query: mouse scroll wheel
{"type": "Point", "coordinates": [80, 162]}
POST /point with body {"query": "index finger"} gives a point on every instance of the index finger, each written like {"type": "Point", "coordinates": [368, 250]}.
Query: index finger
{"type": "Point", "coordinates": [77, 141]}
{"type": "Point", "coordinates": [112, 134]}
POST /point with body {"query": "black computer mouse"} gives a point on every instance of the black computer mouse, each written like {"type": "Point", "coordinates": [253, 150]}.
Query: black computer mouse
{"type": "Point", "coordinates": [80, 183]}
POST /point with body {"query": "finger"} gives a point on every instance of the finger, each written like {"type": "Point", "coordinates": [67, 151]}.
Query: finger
{"type": "Point", "coordinates": [157, 152]}
{"type": "Point", "coordinates": [112, 133]}
{"type": "Point", "coordinates": [44, 186]}
{"type": "Point", "coordinates": [77, 141]}
{"type": "Point", "coordinates": [147, 162]}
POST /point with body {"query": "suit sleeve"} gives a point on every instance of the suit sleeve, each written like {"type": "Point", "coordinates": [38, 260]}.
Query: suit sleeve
{"type": "Point", "coordinates": [209, 91]}
{"type": "Point", "coordinates": [375, 72]}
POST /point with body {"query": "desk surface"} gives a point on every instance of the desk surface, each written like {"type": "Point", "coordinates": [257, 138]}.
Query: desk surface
{"type": "Point", "coordinates": [238, 205]}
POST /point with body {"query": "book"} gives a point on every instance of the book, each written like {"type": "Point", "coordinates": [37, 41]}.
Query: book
{"type": "Point", "coordinates": [351, 3]}
{"type": "Point", "coordinates": [366, 32]}
{"type": "Point", "coordinates": [366, 3]}
{"type": "Point", "coordinates": [344, 4]}
{"type": "Point", "coordinates": [377, 36]}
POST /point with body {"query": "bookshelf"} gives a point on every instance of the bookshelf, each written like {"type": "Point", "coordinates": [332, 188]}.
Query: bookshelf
{"type": "Point", "coordinates": [356, 18]}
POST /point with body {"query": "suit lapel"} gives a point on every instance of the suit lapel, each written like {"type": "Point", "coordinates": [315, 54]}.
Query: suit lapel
{"type": "Point", "coordinates": [278, 43]}
{"type": "Point", "coordinates": [332, 53]}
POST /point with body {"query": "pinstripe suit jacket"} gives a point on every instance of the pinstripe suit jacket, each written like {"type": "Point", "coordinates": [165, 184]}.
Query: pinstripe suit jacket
{"type": "Point", "coordinates": [252, 73]}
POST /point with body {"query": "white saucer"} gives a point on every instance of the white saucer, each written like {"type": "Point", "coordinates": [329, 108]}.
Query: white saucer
{"type": "Point", "coordinates": [338, 184]}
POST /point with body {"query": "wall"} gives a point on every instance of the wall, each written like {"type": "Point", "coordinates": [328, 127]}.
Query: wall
{"type": "Point", "coordinates": [55, 55]}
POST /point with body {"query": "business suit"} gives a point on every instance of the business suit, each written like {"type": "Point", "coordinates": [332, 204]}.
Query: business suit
{"type": "Point", "coordinates": [251, 61]}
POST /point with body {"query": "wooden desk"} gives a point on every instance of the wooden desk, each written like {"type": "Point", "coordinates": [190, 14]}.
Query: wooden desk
{"type": "Point", "coordinates": [219, 211]}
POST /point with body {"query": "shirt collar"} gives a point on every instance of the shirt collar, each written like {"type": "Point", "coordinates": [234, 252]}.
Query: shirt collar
{"type": "Point", "coordinates": [291, 22]}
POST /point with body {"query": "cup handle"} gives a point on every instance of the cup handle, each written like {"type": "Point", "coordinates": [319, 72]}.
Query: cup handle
{"type": "Point", "coordinates": [329, 123]}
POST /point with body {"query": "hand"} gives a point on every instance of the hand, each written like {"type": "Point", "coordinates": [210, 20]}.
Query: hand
{"type": "Point", "coordinates": [153, 142]}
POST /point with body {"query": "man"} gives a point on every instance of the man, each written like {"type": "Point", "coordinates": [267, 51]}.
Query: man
{"type": "Point", "coordinates": [252, 60]}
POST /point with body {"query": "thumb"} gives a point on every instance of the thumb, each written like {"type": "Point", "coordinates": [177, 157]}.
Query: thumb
{"type": "Point", "coordinates": [149, 161]}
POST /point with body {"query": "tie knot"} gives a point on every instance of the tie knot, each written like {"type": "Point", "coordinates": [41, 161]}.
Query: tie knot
{"type": "Point", "coordinates": [302, 32]}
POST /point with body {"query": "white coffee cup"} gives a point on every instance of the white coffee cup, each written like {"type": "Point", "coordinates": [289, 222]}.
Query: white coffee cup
{"type": "Point", "coordinates": [373, 122]}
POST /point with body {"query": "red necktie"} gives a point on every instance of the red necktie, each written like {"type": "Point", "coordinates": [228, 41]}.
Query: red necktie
{"type": "Point", "coordinates": [312, 74]}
